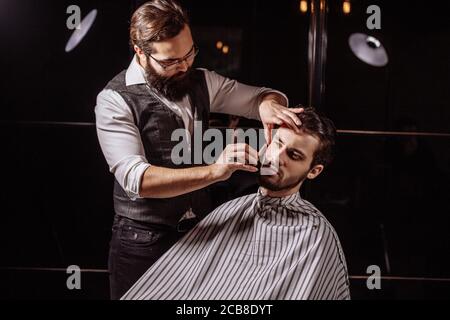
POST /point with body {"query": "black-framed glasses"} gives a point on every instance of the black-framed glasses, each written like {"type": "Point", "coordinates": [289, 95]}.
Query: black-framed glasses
{"type": "Point", "coordinates": [171, 64]}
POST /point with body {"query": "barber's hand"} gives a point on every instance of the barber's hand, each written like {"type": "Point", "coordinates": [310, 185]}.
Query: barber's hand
{"type": "Point", "coordinates": [237, 156]}
{"type": "Point", "coordinates": [272, 113]}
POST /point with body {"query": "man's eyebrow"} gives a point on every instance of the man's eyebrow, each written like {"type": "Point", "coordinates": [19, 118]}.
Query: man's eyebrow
{"type": "Point", "coordinates": [302, 154]}
{"type": "Point", "coordinates": [175, 59]}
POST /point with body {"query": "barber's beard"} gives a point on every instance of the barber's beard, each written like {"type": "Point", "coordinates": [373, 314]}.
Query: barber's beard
{"type": "Point", "coordinates": [276, 183]}
{"type": "Point", "coordinates": [174, 88]}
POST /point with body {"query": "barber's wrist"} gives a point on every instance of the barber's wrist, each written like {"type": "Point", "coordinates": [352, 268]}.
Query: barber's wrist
{"type": "Point", "coordinates": [274, 97]}
{"type": "Point", "coordinates": [215, 174]}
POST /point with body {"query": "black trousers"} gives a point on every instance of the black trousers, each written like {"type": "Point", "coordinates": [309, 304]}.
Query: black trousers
{"type": "Point", "coordinates": [134, 247]}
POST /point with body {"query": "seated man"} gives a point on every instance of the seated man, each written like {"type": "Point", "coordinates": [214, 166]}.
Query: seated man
{"type": "Point", "coordinates": [268, 245]}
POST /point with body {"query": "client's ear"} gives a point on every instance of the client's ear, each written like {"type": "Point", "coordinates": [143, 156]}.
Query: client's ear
{"type": "Point", "coordinates": [315, 171]}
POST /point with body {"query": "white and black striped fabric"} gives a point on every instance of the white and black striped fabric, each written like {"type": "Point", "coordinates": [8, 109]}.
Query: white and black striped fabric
{"type": "Point", "coordinates": [254, 247]}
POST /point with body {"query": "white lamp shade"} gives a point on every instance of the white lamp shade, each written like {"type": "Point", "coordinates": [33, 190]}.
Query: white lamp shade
{"type": "Point", "coordinates": [368, 49]}
{"type": "Point", "coordinates": [78, 34]}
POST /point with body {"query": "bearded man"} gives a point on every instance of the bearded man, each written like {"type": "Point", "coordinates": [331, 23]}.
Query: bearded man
{"type": "Point", "coordinates": [156, 200]}
{"type": "Point", "coordinates": [264, 246]}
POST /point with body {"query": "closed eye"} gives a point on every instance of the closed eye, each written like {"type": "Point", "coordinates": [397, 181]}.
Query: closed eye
{"type": "Point", "coordinates": [295, 155]}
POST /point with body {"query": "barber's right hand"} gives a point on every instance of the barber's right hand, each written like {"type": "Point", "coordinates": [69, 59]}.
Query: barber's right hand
{"type": "Point", "coordinates": [237, 156]}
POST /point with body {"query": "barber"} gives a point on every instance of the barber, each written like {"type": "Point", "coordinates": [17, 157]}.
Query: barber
{"type": "Point", "coordinates": [155, 200]}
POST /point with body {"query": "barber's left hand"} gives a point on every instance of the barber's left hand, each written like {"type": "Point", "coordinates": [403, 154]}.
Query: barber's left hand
{"type": "Point", "coordinates": [272, 113]}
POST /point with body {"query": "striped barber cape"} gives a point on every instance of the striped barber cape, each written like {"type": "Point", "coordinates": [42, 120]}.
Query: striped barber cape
{"type": "Point", "coordinates": [255, 247]}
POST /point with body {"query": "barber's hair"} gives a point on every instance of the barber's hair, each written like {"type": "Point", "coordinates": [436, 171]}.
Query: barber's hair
{"type": "Point", "coordinates": [321, 127]}
{"type": "Point", "coordinates": [156, 20]}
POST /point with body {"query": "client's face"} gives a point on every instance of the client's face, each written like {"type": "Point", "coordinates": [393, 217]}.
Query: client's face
{"type": "Point", "coordinates": [287, 160]}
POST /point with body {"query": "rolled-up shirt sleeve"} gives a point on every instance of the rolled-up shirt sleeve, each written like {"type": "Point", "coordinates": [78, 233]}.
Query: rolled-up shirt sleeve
{"type": "Point", "coordinates": [232, 97]}
{"type": "Point", "coordinates": [120, 141]}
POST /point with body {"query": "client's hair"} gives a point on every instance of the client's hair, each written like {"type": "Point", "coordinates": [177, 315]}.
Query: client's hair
{"type": "Point", "coordinates": [323, 128]}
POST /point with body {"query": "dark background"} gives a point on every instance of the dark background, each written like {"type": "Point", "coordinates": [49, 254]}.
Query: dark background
{"type": "Point", "coordinates": [385, 194]}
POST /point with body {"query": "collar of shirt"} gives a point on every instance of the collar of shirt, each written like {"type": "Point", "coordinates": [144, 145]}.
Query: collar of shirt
{"type": "Point", "coordinates": [135, 73]}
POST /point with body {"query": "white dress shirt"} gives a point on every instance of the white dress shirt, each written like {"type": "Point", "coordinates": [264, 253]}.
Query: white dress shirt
{"type": "Point", "coordinates": [119, 136]}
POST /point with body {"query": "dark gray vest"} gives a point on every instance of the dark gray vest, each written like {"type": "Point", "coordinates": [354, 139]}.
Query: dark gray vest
{"type": "Point", "coordinates": [156, 122]}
